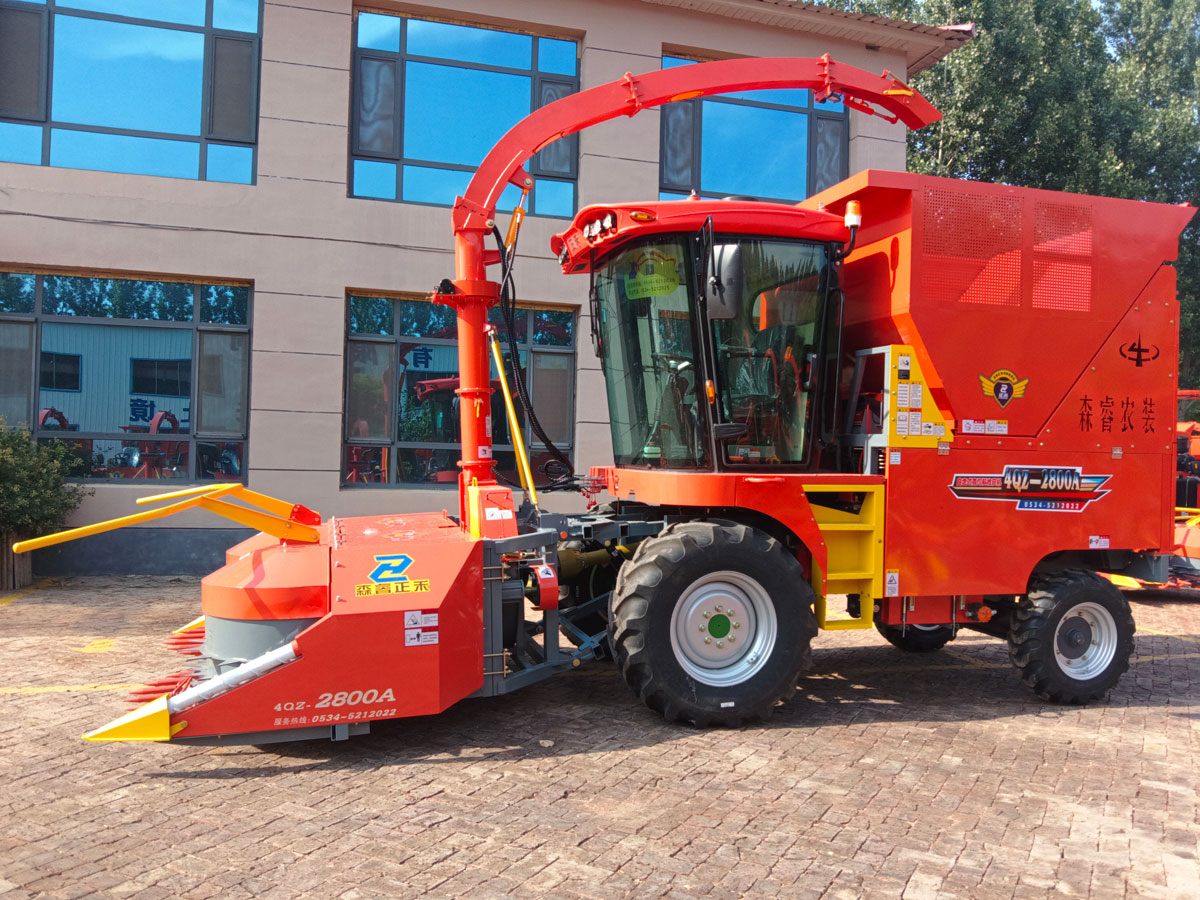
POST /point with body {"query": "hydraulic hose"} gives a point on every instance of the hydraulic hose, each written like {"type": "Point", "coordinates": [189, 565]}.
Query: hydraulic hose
{"type": "Point", "coordinates": [507, 312]}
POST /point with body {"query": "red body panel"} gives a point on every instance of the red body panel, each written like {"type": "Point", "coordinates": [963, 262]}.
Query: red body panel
{"type": "Point", "coordinates": [1065, 302]}
{"type": "Point", "coordinates": [410, 632]}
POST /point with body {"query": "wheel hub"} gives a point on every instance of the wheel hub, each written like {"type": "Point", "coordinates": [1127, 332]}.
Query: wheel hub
{"type": "Point", "coordinates": [723, 628]}
{"type": "Point", "coordinates": [1085, 641]}
{"type": "Point", "coordinates": [1074, 637]}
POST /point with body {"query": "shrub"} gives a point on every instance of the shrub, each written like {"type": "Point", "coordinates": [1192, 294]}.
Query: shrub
{"type": "Point", "coordinates": [35, 496]}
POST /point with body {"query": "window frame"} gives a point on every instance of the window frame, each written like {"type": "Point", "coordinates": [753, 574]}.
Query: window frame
{"type": "Point", "coordinates": [205, 136]}
{"type": "Point", "coordinates": [78, 389]}
{"type": "Point", "coordinates": [399, 60]}
{"type": "Point", "coordinates": [38, 319]}
{"type": "Point", "coordinates": [393, 445]}
{"type": "Point", "coordinates": [812, 110]}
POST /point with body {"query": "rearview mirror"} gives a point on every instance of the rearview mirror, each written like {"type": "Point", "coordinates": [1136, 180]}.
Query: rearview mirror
{"type": "Point", "coordinates": [723, 285]}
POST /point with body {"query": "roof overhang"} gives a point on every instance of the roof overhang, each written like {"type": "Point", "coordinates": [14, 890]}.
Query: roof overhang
{"type": "Point", "coordinates": [922, 45]}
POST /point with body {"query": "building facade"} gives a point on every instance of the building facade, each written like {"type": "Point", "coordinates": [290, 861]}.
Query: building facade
{"type": "Point", "coordinates": [220, 221]}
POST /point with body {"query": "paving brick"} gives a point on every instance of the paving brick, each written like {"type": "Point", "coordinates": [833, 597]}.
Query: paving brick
{"type": "Point", "coordinates": [888, 776]}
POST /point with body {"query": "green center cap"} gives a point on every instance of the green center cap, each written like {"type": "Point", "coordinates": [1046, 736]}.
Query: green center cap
{"type": "Point", "coordinates": [718, 625]}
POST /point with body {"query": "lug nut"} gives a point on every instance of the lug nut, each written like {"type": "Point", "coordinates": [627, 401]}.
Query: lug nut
{"type": "Point", "coordinates": [720, 644]}
{"type": "Point", "coordinates": [708, 640]}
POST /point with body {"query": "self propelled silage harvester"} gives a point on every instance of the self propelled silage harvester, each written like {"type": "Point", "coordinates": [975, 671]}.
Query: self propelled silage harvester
{"type": "Point", "coordinates": [931, 414]}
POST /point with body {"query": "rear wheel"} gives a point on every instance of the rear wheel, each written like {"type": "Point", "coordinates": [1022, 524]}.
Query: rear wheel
{"type": "Point", "coordinates": [712, 623]}
{"type": "Point", "coordinates": [916, 638]}
{"type": "Point", "coordinates": [1071, 636]}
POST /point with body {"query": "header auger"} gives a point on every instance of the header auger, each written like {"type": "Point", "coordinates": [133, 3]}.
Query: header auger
{"type": "Point", "coordinates": [901, 404]}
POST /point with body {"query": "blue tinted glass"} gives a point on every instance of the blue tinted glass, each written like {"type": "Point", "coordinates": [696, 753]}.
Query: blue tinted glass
{"type": "Point", "coordinates": [671, 195]}
{"type": "Point", "coordinates": [423, 184]}
{"type": "Point", "coordinates": [379, 32]}
{"type": "Point", "coordinates": [833, 105]}
{"type": "Point", "coordinates": [374, 179]}
{"type": "Point", "coordinates": [781, 97]}
{"type": "Point", "coordinates": [760, 152]}
{"type": "Point", "coordinates": [182, 12]}
{"type": "Point", "coordinates": [122, 153]}
{"type": "Point", "coordinates": [475, 107]}
{"type": "Point", "coordinates": [127, 76]}
{"type": "Point", "coordinates": [233, 164]}
{"type": "Point", "coordinates": [21, 143]}
{"type": "Point", "coordinates": [478, 45]}
{"type": "Point", "coordinates": [557, 57]}
{"type": "Point", "coordinates": [236, 15]}
{"type": "Point", "coordinates": [554, 198]}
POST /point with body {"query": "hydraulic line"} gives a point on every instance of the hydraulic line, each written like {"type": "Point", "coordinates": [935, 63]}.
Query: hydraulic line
{"type": "Point", "coordinates": [507, 311]}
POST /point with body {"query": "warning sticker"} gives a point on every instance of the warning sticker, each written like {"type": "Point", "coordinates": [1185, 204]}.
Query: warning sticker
{"type": "Point", "coordinates": [416, 618]}
{"type": "Point", "coordinates": [903, 392]}
{"type": "Point", "coordinates": [415, 637]}
{"type": "Point", "coordinates": [894, 458]}
{"type": "Point", "coordinates": [1098, 542]}
{"type": "Point", "coordinates": [891, 585]}
{"type": "Point", "coordinates": [914, 397]}
{"type": "Point", "coordinates": [972, 426]}
{"type": "Point", "coordinates": [914, 423]}
{"type": "Point", "coordinates": [997, 426]}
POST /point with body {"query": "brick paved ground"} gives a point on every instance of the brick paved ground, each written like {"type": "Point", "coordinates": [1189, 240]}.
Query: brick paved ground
{"type": "Point", "coordinates": [889, 776]}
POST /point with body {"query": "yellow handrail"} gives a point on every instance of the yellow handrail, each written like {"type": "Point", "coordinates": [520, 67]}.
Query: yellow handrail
{"type": "Point", "coordinates": [272, 522]}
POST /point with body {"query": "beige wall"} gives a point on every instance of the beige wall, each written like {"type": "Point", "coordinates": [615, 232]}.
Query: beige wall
{"type": "Point", "coordinates": [302, 242]}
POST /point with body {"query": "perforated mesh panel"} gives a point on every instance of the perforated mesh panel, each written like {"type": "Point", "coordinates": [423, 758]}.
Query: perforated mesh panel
{"type": "Point", "coordinates": [972, 248]}
{"type": "Point", "coordinates": [1062, 257]}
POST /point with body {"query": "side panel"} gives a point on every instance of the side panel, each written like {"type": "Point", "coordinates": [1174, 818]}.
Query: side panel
{"type": "Point", "coordinates": [404, 636]}
{"type": "Point", "coordinates": [976, 521]}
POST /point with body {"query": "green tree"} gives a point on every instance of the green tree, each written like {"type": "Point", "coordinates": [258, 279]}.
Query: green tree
{"type": "Point", "coordinates": [1067, 95]}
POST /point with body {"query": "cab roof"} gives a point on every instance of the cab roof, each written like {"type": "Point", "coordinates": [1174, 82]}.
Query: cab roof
{"type": "Point", "coordinates": [603, 227]}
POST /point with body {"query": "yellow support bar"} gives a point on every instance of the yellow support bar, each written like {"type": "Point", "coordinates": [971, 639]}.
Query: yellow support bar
{"type": "Point", "coordinates": [274, 521]}
{"type": "Point", "coordinates": [273, 505]}
{"type": "Point", "coordinates": [187, 492]}
{"type": "Point", "coordinates": [72, 534]}
{"type": "Point", "coordinates": [261, 521]}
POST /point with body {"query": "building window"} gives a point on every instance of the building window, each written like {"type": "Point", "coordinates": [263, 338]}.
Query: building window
{"type": "Point", "coordinates": [139, 86]}
{"type": "Point", "coordinates": [771, 145]}
{"type": "Point", "coordinates": [149, 378]}
{"type": "Point", "coordinates": [431, 98]}
{"type": "Point", "coordinates": [401, 412]}
{"type": "Point", "coordinates": [60, 371]}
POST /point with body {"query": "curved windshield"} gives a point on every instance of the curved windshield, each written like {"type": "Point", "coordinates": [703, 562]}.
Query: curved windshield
{"type": "Point", "coordinates": [645, 326]}
{"type": "Point", "coordinates": [766, 352]}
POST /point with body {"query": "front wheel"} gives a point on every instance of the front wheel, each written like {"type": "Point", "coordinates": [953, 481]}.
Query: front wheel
{"type": "Point", "coordinates": [1071, 636]}
{"type": "Point", "coordinates": [712, 623]}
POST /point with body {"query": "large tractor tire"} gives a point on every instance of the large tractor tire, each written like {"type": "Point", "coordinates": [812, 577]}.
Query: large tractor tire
{"type": "Point", "coordinates": [711, 624]}
{"type": "Point", "coordinates": [1071, 636]}
{"type": "Point", "coordinates": [916, 638]}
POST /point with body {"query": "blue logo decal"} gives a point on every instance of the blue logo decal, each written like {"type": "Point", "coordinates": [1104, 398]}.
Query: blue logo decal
{"type": "Point", "coordinates": [391, 568]}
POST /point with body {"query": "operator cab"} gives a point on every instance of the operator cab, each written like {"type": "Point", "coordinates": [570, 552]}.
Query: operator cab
{"type": "Point", "coordinates": [717, 323]}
